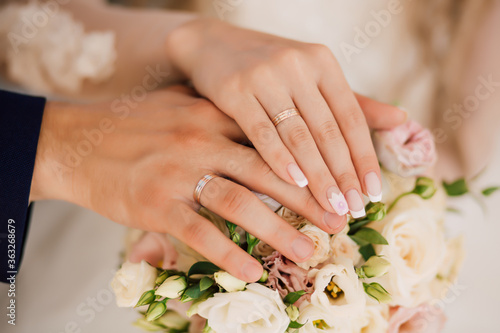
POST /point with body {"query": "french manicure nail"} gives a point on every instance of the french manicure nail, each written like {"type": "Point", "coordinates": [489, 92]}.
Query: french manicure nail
{"type": "Point", "coordinates": [303, 247]}
{"type": "Point", "coordinates": [334, 221]}
{"type": "Point", "coordinates": [337, 200]}
{"type": "Point", "coordinates": [356, 205]}
{"type": "Point", "coordinates": [297, 175]}
{"type": "Point", "coordinates": [373, 187]}
{"type": "Point", "coordinates": [252, 271]}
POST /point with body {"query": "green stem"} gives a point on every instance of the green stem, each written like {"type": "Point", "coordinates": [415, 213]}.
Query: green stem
{"type": "Point", "coordinates": [397, 199]}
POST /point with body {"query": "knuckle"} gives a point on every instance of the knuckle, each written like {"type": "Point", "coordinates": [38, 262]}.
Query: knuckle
{"type": "Point", "coordinates": [236, 201]}
{"type": "Point", "coordinates": [195, 232]}
{"type": "Point", "coordinates": [367, 161]}
{"type": "Point", "coordinates": [320, 51]}
{"type": "Point", "coordinates": [264, 132]}
{"type": "Point", "coordinates": [299, 137]}
{"type": "Point", "coordinates": [289, 56]}
{"type": "Point", "coordinates": [329, 132]}
{"type": "Point", "coordinates": [355, 119]}
{"type": "Point", "coordinates": [347, 179]}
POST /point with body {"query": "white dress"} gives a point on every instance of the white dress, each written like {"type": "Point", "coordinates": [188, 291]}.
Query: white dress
{"type": "Point", "coordinates": [71, 252]}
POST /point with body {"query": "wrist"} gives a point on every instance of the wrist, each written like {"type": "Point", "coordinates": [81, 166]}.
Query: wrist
{"type": "Point", "coordinates": [49, 180]}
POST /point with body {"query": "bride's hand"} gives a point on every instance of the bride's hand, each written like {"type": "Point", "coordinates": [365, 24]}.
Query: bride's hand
{"type": "Point", "coordinates": [253, 77]}
{"type": "Point", "coordinates": [139, 165]}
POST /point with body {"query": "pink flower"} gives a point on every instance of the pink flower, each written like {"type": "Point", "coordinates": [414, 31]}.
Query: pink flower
{"type": "Point", "coordinates": [406, 150]}
{"type": "Point", "coordinates": [285, 276]}
{"type": "Point", "coordinates": [156, 249]}
{"type": "Point", "coordinates": [422, 319]}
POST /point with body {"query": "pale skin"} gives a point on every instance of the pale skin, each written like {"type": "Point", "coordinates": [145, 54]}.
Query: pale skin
{"type": "Point", "coordinates": [143, 172]}
{"type": "Point", "coordinates": [252, 77]}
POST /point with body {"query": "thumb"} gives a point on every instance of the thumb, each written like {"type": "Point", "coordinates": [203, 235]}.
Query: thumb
{"type": "Point", "coordinates": [380, 115]}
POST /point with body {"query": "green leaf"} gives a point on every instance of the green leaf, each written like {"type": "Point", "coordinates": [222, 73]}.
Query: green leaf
{"type": "Point", "coordinates": [206, 283]}
{"type": "Point", "coordinates": [203, 267]}
{"type": "Point", "coordinates": [453, 210]}
{"type": "Point", "coordinates": [356, 225]}
{"type": "Point", "coordinates": [367, 251]}
{"type": "Point", "coordinates": [456, 188]}
{"type": "Point", "coordinates": [294, 296]}
{"type": "Point", "coordinates": [191, 293]}
{"type": "Point", "coordinates": [369, 235]}
{"type": "Point", "coordinates": [294, 324]}
{"type": "Point", "coordinates": [490, 190]}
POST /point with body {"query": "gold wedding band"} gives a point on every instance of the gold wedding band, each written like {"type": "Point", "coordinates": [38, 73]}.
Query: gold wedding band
{"type": "Point", "coordinates": [285, 115]}
{"type": "Point", "coordinates": [201, 185]}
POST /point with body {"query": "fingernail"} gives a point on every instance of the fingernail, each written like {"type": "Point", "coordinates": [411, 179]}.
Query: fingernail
{"type": "Point", "coordinates": [337, 200]}
{"type": "Point", "coordinates": [334, 221]}
{"type": "Point", "coordinates": [252, 270]}
{"type": "Point", "coordinates": [373, 186]}
{"type": "Point", "coordinates": [356, 205]}
{"type": "Point", "coordinates": [303, 247]}
{"type": "Point", "coordinates": [297, 175]}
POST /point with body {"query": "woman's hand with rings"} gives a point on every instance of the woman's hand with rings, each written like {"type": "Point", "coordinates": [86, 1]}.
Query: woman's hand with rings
{"type": "Point", "coordinates": [140, 167]}
{"type": "Point", "coordinates": [254, 77]}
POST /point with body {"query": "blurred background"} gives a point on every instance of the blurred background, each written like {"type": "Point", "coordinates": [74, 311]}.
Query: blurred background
{"type": "Point", "coordinates": [428, 56]}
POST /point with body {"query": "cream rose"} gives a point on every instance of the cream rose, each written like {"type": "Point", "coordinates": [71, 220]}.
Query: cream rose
{"type": "Point", "coordinates": [350, 299]}
{"type": "Point", "coordinates": [374, 320]}
{"type": "Point", "coordinates": [291, 217]}
{"type": "Point", "coordinates": [131, 281]}
{"type": "Point", "coordinates": [416, 249]}
{"type": "Point", "coordinates": [342, 245]}
{"type": "Point", "coordinates": [321, 242]}
{"type": "Point", "coordinates": [256, 310]}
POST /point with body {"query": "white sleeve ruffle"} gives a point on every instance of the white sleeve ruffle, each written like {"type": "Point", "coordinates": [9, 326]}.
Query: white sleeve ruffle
{"type": "Point", "coordinates": [45, 50]}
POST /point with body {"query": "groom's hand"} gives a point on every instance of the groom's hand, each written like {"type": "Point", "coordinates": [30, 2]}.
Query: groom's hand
{"type": "Point", "coordinates": [139, 165]}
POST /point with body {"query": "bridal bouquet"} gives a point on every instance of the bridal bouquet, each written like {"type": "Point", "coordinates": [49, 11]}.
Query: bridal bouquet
{"type": "Point", "coordinates": [386, 272]}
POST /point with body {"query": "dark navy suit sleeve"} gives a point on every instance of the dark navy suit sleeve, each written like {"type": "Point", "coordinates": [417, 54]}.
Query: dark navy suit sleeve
{"type": "Point", "coordinates": [20, 121]}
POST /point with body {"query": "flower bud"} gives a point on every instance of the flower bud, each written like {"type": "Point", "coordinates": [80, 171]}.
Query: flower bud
{"type": "Point", "coordinates": [229, 282]}
{"type": "Point", "coordinates": [375, 266]}
{"type": "Point", "coordinates": [293, 312]}
{"type": "Point", "coordinates": [147, 298]}
{"type": "Point", "coordinates": [145, 325]}
{"type": "Point", "coordinates": [375, 211]}
{"type": "Point", "coordinates": [156, 310]}
{"type": "Point", "coordinates": [425, 187]}
{"type": "Point", "coordinates": [161, 278]}
{"type": "Point", "coordinates": [377, 292]}
{"type": "Point", "coordinates": [174, 321]}
{"type": "Point", "coordinates": [264, 277]}
{"type": "Point", "coordinates": [173, 287]}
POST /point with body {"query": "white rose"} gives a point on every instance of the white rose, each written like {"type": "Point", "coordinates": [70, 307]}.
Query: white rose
{"type": "Point", "coordinates": [229, 282]}
{"type": "Point", "coordinates": [256, 310]}
{"type": "Point", "coordinates": [375, 319]}
{"type": "Point", "coordinates": [317, 320]}
{"type": "Point", "coordinates": [416, 248]}
{"type": "Point", "coordinates": [131, 281]}
{"type": "Point", "coordinates": [342, 245]}
{"type": "Point", "coordinates": [321, 242]}
{"type": "Point", "coordinates": [350, 301]}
